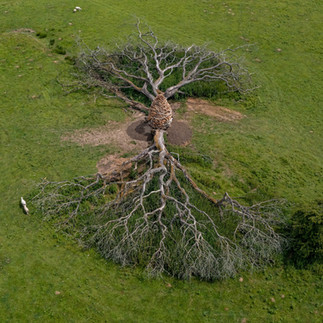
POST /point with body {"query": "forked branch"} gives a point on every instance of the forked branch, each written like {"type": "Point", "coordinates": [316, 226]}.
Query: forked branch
{"type": "Point", "coordinates": [150, 211]}
{"type": "Point", "coordinates": [144, 63]}
{"type": "Point", "coordinates": [157, 220]}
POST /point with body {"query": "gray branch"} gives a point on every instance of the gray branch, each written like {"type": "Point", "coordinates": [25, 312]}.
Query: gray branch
{"type": "Point", "coordinates": [153, 220]}
{"type": "Point", "coordinates": [144, 63]}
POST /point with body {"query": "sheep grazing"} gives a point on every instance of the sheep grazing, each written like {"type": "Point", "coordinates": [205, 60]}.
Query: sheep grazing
{"type": "Point", "coordinates": [77, 9]}
{"type": "Point", "coordinates": [24, 205]}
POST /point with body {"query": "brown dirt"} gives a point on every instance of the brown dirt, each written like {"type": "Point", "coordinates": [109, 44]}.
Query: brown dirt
{"type": "Point", "coordinates": [135, 134]}
{"type": "Point", "coordinates": [179, 133]}
{"type": "Point", "coordinates": [214, 111]}
{"type": "Point", "coordinates": [113, 133]}
{"type": "Point", "coordinates": [140, 130]}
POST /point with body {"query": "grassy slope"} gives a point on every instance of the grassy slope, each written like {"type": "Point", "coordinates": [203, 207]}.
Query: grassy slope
{"type": "Point", "coordinates": [276, 149]}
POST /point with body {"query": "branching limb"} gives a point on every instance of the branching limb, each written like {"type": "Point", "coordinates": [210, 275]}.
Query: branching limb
{"type": "Point", "coordinates": [144, 63]}
{"type": "Point", "coordinates": [150, 211]}
{"type": "Point", "coordinates": [156, 219]}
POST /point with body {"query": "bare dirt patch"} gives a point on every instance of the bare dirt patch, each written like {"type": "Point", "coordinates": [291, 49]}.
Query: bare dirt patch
{"type": "Point", "coordinates": [140, 130]}
{"type": "Point", "coordinates": [113, 133]}
{"type": "Point", "coordinates": [220, 113]}
{"type": "Point", "coordinates": [131, 136]}
{"type": "Point", "coordinates": [135, 134]}
{"type": "Point", "coordinates": [179, 133]}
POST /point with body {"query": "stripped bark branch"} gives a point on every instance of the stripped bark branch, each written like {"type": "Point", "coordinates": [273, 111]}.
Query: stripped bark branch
{"type": "Point", "coordinates": [150, 211]}
{"type": "Point", "coordinates": [144, 63]}
{"type": "Point", "coordinates": [157, 220]}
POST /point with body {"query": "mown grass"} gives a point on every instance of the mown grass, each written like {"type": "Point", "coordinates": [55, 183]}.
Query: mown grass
{"type": "Point", "coordinates": [276, 150]}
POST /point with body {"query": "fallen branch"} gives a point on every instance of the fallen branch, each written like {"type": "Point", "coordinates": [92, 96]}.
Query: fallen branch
{"type": "Point", "coordinates": [156, 220]}
{"type": "Point", "coordinates": [150, 211]}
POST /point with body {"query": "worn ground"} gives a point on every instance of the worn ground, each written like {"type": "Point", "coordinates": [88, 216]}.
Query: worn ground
{"type": "Point", "coordinates": [134, 134]}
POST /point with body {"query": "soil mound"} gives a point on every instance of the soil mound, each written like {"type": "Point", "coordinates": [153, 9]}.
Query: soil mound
{"type": "Point", "coordinates": [136, 134]}
{"type": "Point", "coordinates": [140, 130]}
{"type": "Point", "coordinates": [179, 133]}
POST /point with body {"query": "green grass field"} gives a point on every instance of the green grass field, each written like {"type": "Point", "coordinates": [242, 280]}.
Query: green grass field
{"type": "Point", "coordinates": [275, 152]}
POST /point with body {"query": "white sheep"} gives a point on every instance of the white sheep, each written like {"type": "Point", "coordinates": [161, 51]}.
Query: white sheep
{"type": "Point", "coordinates": [24, 205]}
{"type": "Point", "coordinates": [77, 9]}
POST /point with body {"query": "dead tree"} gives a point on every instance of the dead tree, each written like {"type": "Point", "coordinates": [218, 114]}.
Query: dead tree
{"type": "Point", "coordinates": [144, 64]}
{"type": "Point", "coordinates": [150, 211]}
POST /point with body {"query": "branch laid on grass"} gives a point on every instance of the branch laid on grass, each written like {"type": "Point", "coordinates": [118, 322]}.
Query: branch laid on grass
{"type": "Point", "coordinates": [150, 211]}
{"type": "Point", "coordinates": [144, 64]}
{"type": "Point", "coordinates": [155, 219]}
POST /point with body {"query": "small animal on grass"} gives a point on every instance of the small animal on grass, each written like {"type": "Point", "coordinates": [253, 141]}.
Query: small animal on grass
{"type": "Point", "coordinates": [77, 9]}
{"type": "Point", "coordinates": [24, 205]}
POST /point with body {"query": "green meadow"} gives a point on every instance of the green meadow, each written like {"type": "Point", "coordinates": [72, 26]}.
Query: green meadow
{"type": "Point", "coordinates": [276, 151]}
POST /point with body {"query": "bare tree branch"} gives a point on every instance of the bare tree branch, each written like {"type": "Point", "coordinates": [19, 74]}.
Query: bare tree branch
{"type": "Point", "coordinates": [150, 211]}
{"type": "Point", "coordinates": [152, 219]}
{"type": "Point", "coordinates": [144, 63]}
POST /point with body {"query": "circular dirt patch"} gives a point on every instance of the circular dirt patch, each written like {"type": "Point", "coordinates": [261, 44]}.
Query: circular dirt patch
{"type": "Point", "coordinates": [178, 134]}
{"type": "Point", "coordinates": [140, 130]}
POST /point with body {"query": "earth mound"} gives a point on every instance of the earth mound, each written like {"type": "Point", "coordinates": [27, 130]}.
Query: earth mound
{"type": "Point", "coordinates": [135, 134]}
{"type": "Point", "coordinates": [179, 133]}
